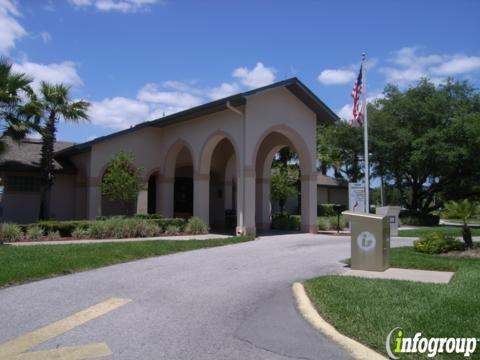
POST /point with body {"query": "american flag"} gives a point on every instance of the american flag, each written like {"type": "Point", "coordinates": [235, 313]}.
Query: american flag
{"type": "Point", "coordinates": [357, 104]}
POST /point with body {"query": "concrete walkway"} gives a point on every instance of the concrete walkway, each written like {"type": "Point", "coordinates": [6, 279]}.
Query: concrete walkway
{"type": "Point", "coordinates": [427, 276]}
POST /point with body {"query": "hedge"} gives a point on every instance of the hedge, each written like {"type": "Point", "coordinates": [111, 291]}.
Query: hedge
{"type": "Point", "coordinates": [66, 227]}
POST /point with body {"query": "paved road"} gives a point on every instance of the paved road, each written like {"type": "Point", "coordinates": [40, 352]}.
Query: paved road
{"type": "Point", "coordinates": [232, 302]}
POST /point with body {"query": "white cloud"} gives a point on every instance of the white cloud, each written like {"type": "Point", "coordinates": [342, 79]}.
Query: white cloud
{"type": "Point", "coordinates": [181, 99]}
{"type": "Point", "coordinates": [64, 72]}
{"type": "Point", "coordinates": [10, 28]}
{"type": "Point", "coordinates": [458, 65]}
{"type": "Point", "coordinates": [157, 100]}
{"type": "Point", "coordinates": [124, 6]}
{"type": "Point", "coordinates": [224, 90]}
{"type": "Point", "coordinates": [46, 37]}
{"type": "Point", "coordinates": [118, 112]}
{"type": "Point", "coordinates": [258, 76]}
{"type": "Point", "coordinates": [336, 76]}
{"type": "Point", "coordinates": [409, 64]}
{"type": "Point", "coordinates": [345, 112]}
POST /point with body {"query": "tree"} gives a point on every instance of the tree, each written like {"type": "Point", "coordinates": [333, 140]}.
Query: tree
{"type": "Point", "coordinates": [424, 141]}
{"type": "Point", "coordinates": [339, 146]}
{"type": "Point", "coordinates": [18, 111]}
{"type": "Point", "coordinates": [54, 104]}
{"type": "Point", "coordinates": [122, 180]}
{"type": "Point", "coordinates": [463, 210]}
{"type": "Point", "coordinates": [284, 184]}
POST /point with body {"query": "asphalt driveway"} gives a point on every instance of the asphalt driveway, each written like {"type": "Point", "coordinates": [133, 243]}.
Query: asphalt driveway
{"type": "Point", "coordinates": [231, 302]}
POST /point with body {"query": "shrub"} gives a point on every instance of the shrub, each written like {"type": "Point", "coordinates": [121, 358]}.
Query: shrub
{"type": "Point", "coordinates": [285, 222]}
{"type": "Point", "coordinates": [10, 232]}
{"type": "Point", "coordinates": [326, 210]}
{"type": "Point", "coordinates": [145, 228]}
{"type": "Point", "coordinates": [172, 230]}
{"type": "Point", "coordinates": [53, 236]}
{"type": "Point", "coordinates": [119, 228]}
{"type": "Point", "coordinates": [163, 223]}
{"type": "Point", "coordinates": [330, 222]}
{"type": "Point", "coordinates": [195, 225]}
{"type": "Point", "coordinates": [147, 216]}
{"type": "Point", "coordinates": [437, 243]}
{"type": "Point", "coordinates": [65, 227]}
{"type": "Point", "coordinates": [34, 233]}
{"type": "Point", "coordinates": [80, 233]}
{"type": "Point", "coordinates": [323, 223]}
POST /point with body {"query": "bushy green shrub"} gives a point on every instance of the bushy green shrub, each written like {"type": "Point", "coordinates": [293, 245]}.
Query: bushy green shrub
{"type": "Point", "coordinates": [134, 226]}
{"type": "Point", "coordinates": [437, 243]}
{"type": "Point", "coordinates": [10, 232]}
{"type": "Point", "coordinates": [53, 236]}
{"type": "Point", "coordinates": [323, 223]}
{"type": "Point", "coordinates": [34, 233]}
{"type": "Point", "coordinates": [285, 222]}
{"type": "Point", "coordinates": [172, 230]}
{"type": "Point", "coordinates": [163, 223]}
{"type": "Point", "coordinates": [147, 216]}
{"type": "Point", "coordinates": [118, 228]}
{"type": "Point", "coordinates": [195, 226]}
{"type": "Point", "coordinates": [330, 222]}
{"type": "Point", "coordinates": [64, 228]}
{"type": "Point", "coordinates": [80, 233]}
{"type": "Point", "coordinates": [326, 210]}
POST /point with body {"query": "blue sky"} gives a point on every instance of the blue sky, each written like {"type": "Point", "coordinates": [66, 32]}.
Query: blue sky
{"type": "Point", "coordinates": [137, 59]}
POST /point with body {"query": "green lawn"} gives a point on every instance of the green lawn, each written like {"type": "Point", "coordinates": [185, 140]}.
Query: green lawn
{"type": "Point", "coordinates": [367, 309]}
{"type": "Point", "coordinates": [447, 230]}
{"type": "Point", "coordinates": [25, 263]}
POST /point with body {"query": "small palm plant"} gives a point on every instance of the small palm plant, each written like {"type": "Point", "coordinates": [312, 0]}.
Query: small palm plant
{"type": "Point", "coordinates": [463, 210]}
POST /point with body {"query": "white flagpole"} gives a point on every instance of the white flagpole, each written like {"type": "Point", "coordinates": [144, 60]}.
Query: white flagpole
{"type": "Point", "coordinates": [365, 138]}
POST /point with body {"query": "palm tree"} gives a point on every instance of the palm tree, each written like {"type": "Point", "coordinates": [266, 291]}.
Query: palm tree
{"type": "Point", "coordinates": [55, 104]}
{"type": "Point", "coordinates": [463, 210]}
{"type": "Point", "coordinates": [18, 111]}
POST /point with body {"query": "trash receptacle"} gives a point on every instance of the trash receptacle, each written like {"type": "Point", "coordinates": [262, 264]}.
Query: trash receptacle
{"type": "Point", "coordinates": [393, 213]}
{"type": "Point", "coordinates": [370, 241]}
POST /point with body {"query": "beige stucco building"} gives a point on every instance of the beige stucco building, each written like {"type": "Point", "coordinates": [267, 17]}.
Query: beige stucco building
{"type": "Point", "coordinates": [205, 161]}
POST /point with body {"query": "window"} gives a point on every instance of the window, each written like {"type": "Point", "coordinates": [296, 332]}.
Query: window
{"type": "Point", "coordinates": [23, 183]}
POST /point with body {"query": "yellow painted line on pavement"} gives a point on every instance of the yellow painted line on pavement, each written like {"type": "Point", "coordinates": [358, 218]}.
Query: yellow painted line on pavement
{"type": "Point", "coordinates": [10, 349]}
{"type": "Point", "coordinates": [89, 351]}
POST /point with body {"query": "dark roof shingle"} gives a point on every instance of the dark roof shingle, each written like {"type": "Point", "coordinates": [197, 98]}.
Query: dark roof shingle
{"type": "Point", "coordinates": [25, 155]}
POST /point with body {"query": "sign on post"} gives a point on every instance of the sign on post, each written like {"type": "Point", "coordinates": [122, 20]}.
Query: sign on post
{"type": "Point", "coordinates": [356, 197]}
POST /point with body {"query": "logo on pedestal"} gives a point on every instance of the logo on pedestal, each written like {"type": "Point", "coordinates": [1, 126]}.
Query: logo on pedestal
{"type": "Point", "coordinates": [366, 241]}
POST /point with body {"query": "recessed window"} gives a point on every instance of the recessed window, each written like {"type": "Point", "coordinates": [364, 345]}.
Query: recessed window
{"type": "Point", "coordinates": [23, 183]}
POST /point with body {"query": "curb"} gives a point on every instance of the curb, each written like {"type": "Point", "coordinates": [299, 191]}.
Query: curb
{"type": "Point", "coordinates": [306, 308]}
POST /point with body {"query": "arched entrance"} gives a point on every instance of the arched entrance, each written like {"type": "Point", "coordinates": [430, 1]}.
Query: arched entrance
{"type": "Point", "coordinates": [219, 161]}
{"type": "Point", "coordinates": [183, 185]}
{"type": "Point", "coordinates": [269, 146]}
{"type": "Point", "coordinates": [176, 190]}
{"type": "Point", "coordinates": [152, 194]}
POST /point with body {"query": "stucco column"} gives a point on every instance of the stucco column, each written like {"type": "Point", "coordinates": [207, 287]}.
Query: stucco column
{"type": "Point", "coordinates": [309, 203]}
{"type": "Point", "coordinates": [249, 204]}
{"type": "Point", "coordinates": [165, 196]}
{"type": "Point", "coordinates": [201, 197]}
{"type": "Point", "coordinates": [263, 203]}
{"type": "Point", "coordinates": [94, 198]}
{"type": "Point", "coordinates": [142, 201]}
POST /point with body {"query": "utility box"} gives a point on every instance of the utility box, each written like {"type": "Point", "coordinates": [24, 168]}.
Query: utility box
{"type": "Point", "coordinates": [393, 214]}
{"type": "Point", "coordinates": [370, 241]}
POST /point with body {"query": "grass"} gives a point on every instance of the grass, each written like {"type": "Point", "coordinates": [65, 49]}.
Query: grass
{"type": "Point", "coordinates": [367, 309]}
{"type": "Point", "coordinates": [25, 263]}
{"type": "Point", "coordinates": [446, 230]}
